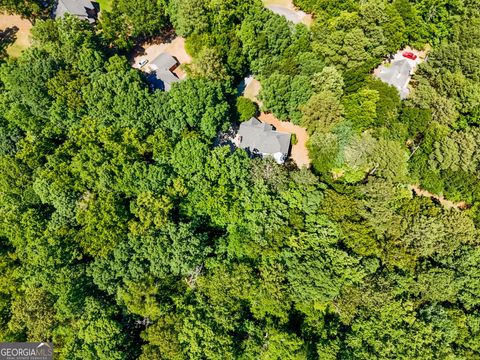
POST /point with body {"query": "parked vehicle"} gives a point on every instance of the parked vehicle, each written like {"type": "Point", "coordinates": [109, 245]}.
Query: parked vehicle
{"type": "Point", "coordinates": [409, 55]}
{"type": "Point", "coordinates": [143, 62]}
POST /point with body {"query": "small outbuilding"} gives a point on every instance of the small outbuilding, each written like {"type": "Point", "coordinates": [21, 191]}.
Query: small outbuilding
{"type": "Point", "coordinates": [82, 9]}
{"type": "Point", "coordinates": [261, 139]}
{"type": "Point", "coordinates": [163, 76]}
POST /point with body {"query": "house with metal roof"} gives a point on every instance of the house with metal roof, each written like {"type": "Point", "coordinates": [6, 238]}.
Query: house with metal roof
{"type": "Point", "coordinates": [162, 76]}
{"type": "Point", "coordinates": [398, 74]}
{"type": "Point", "coordinates": [261, 139]}
{"type": "Point", "coordinates": [83, 9]}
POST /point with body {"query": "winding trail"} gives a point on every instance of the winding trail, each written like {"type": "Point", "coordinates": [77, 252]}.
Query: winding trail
{"type": "Point", "coordinates": [462, 205]}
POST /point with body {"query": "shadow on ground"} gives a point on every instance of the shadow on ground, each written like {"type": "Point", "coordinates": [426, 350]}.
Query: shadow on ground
{"type": "Point", "coordinates": [7, 38]}
{"type": "Point", "coordinates": [166, 37]}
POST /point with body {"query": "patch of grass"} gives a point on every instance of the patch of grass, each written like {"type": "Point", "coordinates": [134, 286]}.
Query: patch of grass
{"type": "Point", "coordinates": [294, 139]}
{"type": "Point", "coordinates": [105, 5]}
{"type": "Point", "coordinates": [15, 50]}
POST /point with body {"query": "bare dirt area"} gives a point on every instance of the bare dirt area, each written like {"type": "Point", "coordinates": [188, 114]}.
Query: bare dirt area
{"type": "Point", "coordinates": [252, 89]}
{"type": "Point", "coordinates": [174, 47]}
{"type": "Point", "coordinates": [299, 152]}
{"type": "Point", "coordinates": [289, 11]}
{"type": "Point", "coordinates": [14, 28]}
{"type": "Point", "coordinates": [444, 202]}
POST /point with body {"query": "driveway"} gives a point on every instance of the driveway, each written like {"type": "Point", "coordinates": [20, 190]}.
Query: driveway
{"type": "Point", "coordinates": [291, 15]}
{"type": "Point", "coordinates": [252, 89]}
{"type": "Point", "coordinates": [176, 48]}
{"type": "Point", "coordinates": [286, 9]}
{"type": "Point", "coordinates": [299, 152]}
{"type": "Point", "coordinates": [420, 57]}
{"type": "Point", "coordinates": [393, 72]}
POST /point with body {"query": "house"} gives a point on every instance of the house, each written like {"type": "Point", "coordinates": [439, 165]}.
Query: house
{"type": "Point", "coordinates": [261, 139]}
{"type": "Point", "coordinates": [163, 76]}
{"type": "Point", "coordinates": [398, 74]}
{"type": "Point", "coordinates": [83, 9]}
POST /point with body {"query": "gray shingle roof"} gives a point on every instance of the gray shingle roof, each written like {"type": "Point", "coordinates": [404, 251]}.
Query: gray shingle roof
{"type": "Point", "coordinates": [163, 65]}
{"type": "Point", "coordinates": [167, 78]}
{"type": "Point", "coordinates": [260, 137]}
{"type": "Point", "coordinates": [165, 61]}
{"type": "Point", "coordinates": [397, 75]}
{"type": "Point", "coordinates": [78, 8]}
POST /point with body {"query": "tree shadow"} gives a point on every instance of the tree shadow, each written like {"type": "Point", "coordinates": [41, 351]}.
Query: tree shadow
{"type": "Point", "coordinates": [7, 38]}
{"type": "Point", "coordinates": [166, 36]}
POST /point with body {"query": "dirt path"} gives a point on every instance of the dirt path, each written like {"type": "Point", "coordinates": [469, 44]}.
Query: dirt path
{"type": "Point", "coordinates": [19, 29]}
{"type": "Point", "coordinates": [289, 11]}
{"type": "Point", "coordinates": [444, 202]}
{"type": "Point", "coordinates": [299, 152]}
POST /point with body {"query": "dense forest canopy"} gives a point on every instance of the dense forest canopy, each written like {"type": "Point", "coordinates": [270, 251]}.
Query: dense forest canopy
{"type": "Point", "coordinates": [125, 234]}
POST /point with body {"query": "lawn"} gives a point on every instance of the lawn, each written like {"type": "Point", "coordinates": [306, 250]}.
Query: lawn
{"type": "Point", "coordinates": [15, 50]}
{"type": "Point", "coordinates": [105, 4]}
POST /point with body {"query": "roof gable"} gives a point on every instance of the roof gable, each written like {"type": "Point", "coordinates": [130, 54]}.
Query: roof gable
{"type": "Point", "coordinates": [162, 76]}
{"type": "Point", "coordinates": [397, 75]}
{"type": "Point", "coordinates": [258, 136]}
{"type": "Point", "coordinates": [165, 61]}
{"type": "Point", "coordinates": [75, 7]}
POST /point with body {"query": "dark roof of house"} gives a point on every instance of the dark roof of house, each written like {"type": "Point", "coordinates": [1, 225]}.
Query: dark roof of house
{"type": "Point", "coordinates": [258, 136]}
{"type": "Point", "coordinates": [398, 75]}
{"type": "Point", "coordinates": [75, 7]}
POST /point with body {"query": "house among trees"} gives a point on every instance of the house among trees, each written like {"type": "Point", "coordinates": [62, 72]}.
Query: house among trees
{"type": "Point", "coordinates": [398, 74]}
{"type": "Point", "coordinates": [163, 76]}
{"type": "Point", "coordinates": [83, 9]}
{"type": "Point", "coordinates": [261, 139]}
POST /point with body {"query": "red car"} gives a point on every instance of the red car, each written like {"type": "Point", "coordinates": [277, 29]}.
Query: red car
{"type": "Point", "coordinates": [409, 55]}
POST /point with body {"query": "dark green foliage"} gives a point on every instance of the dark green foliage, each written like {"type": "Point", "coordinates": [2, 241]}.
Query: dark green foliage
{"type": "Point", "coordinates": [416, 119]}
{"type": "Point", "coordinates": [196, 104]}
{"type": "Point", "coordinates": [131, 19]}
{"type": "Point", "coordinates": [294, 139]}
{"type": "Point", "coordinates": [125, 234]}
{"type": "Point", "coordinates": [31, 9]}
{"type": "Point", "coordinates": [246, 108]}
